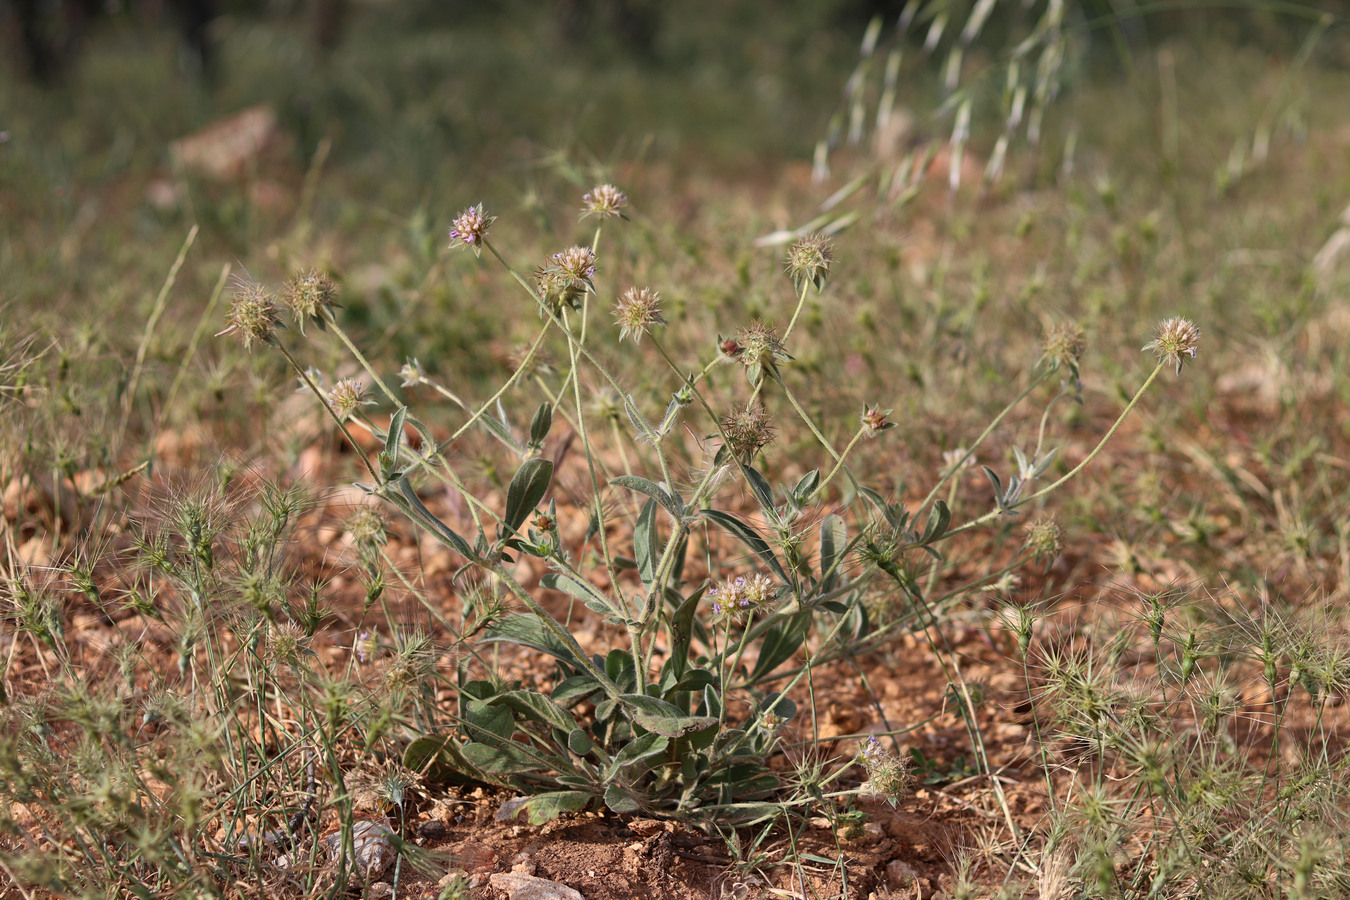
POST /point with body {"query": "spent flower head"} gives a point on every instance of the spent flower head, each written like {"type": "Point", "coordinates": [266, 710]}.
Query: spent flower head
{"type": "Point", "coordinates": [605, 201]}
{"type": "Point", "coordinates": [1175, 340]}
{"type": "Point", "coordinates": [253, 315]}
{"type": "Point", "coordinates": [312, 296]}
{"type": "Point", "coordinates": [637, 312]}
{"type": "Point", "coordinates": [757, 348]}
{"type": "Point", "coordinates": [470, 227]}
{"type": "Point", "coordinates": [748, 430]}
{"type": "Point", "coordinates": [1063, 347]}
{"type": "Point", "coordinates": [808, 261]}
{"type": "Point", "coordinates": [346, 397]}
{"type": "Point", "coordinates": [1044, 539]}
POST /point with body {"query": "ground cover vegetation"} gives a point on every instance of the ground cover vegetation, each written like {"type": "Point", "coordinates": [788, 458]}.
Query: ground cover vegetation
{"type": "Point", "coordinates": [681, 470]}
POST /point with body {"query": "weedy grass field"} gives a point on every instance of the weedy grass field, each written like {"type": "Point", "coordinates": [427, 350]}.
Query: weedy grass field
{"type": "Point", "coordinates": [486, 458]}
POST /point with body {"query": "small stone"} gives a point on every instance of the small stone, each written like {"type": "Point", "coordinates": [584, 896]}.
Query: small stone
{"type": "Point", "coordinates": [527, 887]}
{"type": "Point", "coordinates": [372, 852]}
{"type": "Point", "coordinates": [510, 809]}
{"type": "Point", "coordinates": [432, 830]}
{"type": "Point", "coordinates": [380, 891]}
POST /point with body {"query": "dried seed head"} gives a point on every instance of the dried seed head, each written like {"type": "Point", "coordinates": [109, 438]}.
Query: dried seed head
{"type": "Point", "coordinates": [1044, 539]}
{"type": "Point", "coordinates": [874, 421]}
{"type": "Point", "coordinates": [346, 397]}
{"type": "Point", "coordinates": [470, 227]}
{"type": "Point", "coordinates": [637, 312]}
{"type": "Point", "coordinates": [253, 315]}
{"type": "Point", "coordinates": [1063, 347]}
{"type": "Point", "coordinates": [310, 295]}
{"type": "Point", "coordinates": [808, 261]}
{"type": "Point", "coordinates": [748, 430]}
{"type": "Point", "coordinates": [1174, 341]}
{"type": "Point", "coordinates": [287, 644]}
{"type": "Point", "coordinates": [367, 526]}
{"type": "Point", "coordinates": [605, 201]}
{"type": "Point", "coordinates": [758, 348]}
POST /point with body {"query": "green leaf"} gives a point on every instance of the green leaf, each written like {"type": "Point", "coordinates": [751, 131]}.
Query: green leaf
{"type": "Point", "coordinates": [546, 807]}
{"type": "Point", "coordinates": [579, 742]}
{"type": "Point", "coordinates": [501, 758]}
{"type": "Point", "coordinates": [574, 690]}
{"type": "Point", "coordinates": [660, 717]}
{"type": "Point", "coordinates": [695, 680]}
{"type": "Point", "coordinates": [670, 502]}
{"type": "Point", "coordinates": [421, 514]}
{"type": "Point", "coordinates": [779, 705]}
{"type": "Point", "coordinates": [998, 486]}
{"type": "Point", "coordinates": [528, 630]}
{"type": "Point", "coordinates": [760, 486]}
{"type": "Point", "coordinates": [536, 706]}
{"type": "Point", "coordinates": [621, 669]}
{"type": "Point", "coordinates": [543, 421]}
{"type": "Point", "coordinates": [806, 487]}
{"type": "Point", "coordinates": [645, 547]}
{"type": "Point", "coordinates": [620, 801]}
{"type": "Point", "coordinates": [437, 757]}
{"type": "Point", "coordinates": [498, 429]}
{"type": "Point", "coordinates": [780, 643]}
{"type": "Point", "coordinates": [938, 520]}
{"type": "Point", "coordinates": [833, 540]}
{"type": "Point", "coordinates": [581, 590]}
{"type": "Point", "coordinates": [482, 720]}
{"type": "Point", "coordinates": [682, 625]}
{"type": "Point", "coordinates": [632, 760]}
{"type": "Point", "coordinates": [527, 488]}
{"type": "Point", "coordinates": [389, 458]}
{"type": "Point", "coordinates": [750, 538]}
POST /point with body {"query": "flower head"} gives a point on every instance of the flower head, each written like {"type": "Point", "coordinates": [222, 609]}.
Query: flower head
{"type": "Point", "coordinates": [605, 201]}
{"type": "Point", "coordinates": [888, 773]}
{"type": "Point", "coordinates": [470, 227]}
{"type": "Point", "coordinates": [808, 261]}
{"type": "Point", "coordinates": [874, 421]}
{"type": "Point", "coordinates": [310, 295]}
{"type": "Point", "coordinates": [1174, 340]}
{"type": "Point", "coordinates": [253, 315]}
{"type": "Point", "coordinates": [757, 348]}
{"type": "Point", "coordinates": [1044, 539]}
{"type": "Point", "coordinates": [748, 430]}
{"type": "Point", "coordinates": [736, 599]}
{"type": "Point", "coordinates": [346, 397]}
{"type": "Point", "coordinates": [578, 262]}
{"type": "Point", "coordinates": [637, 312]}
{"type": "Point", "coordinates": [1063, 347]}
{"type": "Point", "coordinates": [566, 278]}
{"type": "Point", "coordinates": [411, 373]}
